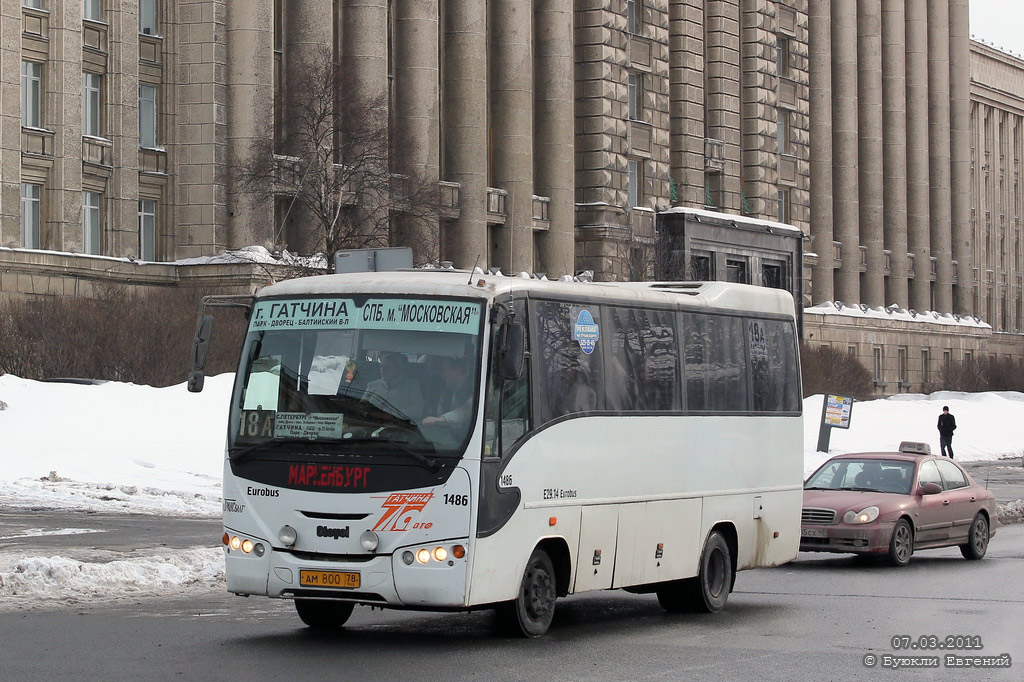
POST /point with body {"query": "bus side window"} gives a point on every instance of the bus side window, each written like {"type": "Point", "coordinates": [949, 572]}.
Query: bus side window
{"type": "Point", "coordinates": [570, 379]}
{"type": "Point", "coordinates": [716, 373]}
{"type": "Point", "coordinates": [773, 366]}
{"type": "Point", "coordinates": [643, 363]}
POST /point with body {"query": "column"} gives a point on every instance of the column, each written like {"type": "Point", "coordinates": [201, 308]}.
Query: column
{"type": "Point", "coordinates": [844, 148]}
{"type": "Point", "coordinates": [869, 114]}
{"type": "Point", "coordinates": [918, 166]}
{"type": "Point", "coordinates": [820, 47]}
{"type": "Point", "coordinates": [894, 151]}
{"type": "Point", "coordinates": [554, 163]}
{"type": "Point", "coordinates": [417, 117]}
{"type": "Point", "coordinates": [939, 202]}
{"type": "Point", "coordinates": [686, 99]}
{"type": "Point", "coordinates": [464, 241]}
{"type": "Point", "coordinates": [250, 104]}
{"type": "Point", "coordinates": [722, 93]}
{"type": "Point", "coordinates": [960, 150]}
{"type": "Point", "coordinates": [365, 38]}
{"type": "Point", "coordinates": [512, 129]}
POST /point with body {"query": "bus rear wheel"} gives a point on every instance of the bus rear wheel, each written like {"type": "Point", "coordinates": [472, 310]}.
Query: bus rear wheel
{"type": "Point", "coordinates": [323, 614]}
{"type": "Point", "coordinates": [531, 612]}
{"type": "Point", "coordinates": [709, 591]}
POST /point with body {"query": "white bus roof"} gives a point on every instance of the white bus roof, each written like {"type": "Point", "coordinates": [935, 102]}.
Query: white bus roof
{"type": "Point", "coordinates": [722, 295]}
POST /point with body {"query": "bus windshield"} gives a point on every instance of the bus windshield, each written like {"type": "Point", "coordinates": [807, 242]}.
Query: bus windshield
{"type": "Point", "coordinates": [358, 376]}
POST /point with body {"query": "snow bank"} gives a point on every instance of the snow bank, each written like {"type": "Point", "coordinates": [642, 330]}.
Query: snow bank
{"type": "Point", "coordinates": [983, 421]}
{"type": "Point", "coordinates": [113, 447]}
{"type": "Point", "coordinates": [58, 579]}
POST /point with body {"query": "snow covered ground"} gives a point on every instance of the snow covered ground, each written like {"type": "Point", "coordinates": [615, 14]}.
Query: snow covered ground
{"type": "Point", "coordinates": [136, 449]}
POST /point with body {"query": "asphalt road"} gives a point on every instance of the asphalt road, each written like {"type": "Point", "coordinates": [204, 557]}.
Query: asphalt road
{"type": "Point", "coordinates": [814, 619]}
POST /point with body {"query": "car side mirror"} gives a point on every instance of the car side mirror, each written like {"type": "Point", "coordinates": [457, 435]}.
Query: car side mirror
{"type": "Point", "coordinates": [931, 489]}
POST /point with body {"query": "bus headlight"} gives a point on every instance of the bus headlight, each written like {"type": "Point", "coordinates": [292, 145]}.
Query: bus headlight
{"type": "Point", "coordinates": [235, 542]}
{"type": "Point", "coordinates": [247, 546]}
{"type": "Point", "coordinates": [440, 553]}
{"type": "Point", "coordinates": [423, 556]}
{"type": "Point", "coordinates": [369, 540]}
{"type": "Point", "coordinates": [287, 536]}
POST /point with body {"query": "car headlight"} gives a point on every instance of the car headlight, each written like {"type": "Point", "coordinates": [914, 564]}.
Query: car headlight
{"type": "Point", "coordinates": [866, 515]}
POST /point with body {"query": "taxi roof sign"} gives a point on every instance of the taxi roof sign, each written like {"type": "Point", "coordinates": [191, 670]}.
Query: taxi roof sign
{"type": "Point", "coordinates": [909, 447]}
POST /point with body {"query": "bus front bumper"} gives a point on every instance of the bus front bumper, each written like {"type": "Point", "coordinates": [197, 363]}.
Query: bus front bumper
{"type": "Point", "coordinates": [383, 580]}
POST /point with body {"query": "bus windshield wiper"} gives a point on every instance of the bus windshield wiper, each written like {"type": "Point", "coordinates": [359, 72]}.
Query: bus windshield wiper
{"type": "Point", "coordinates": [240, 453]}
{"type": "Point", "coordinates": [428, 462]}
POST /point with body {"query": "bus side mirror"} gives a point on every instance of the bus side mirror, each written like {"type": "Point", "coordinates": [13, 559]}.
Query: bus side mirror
{"type": "Point", "coordinates": [511, 352]}
{"type": "Point", "coordinates": [200, 349]}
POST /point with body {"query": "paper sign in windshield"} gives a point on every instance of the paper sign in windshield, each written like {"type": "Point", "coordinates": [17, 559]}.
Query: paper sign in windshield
{"type": "Point", "coordinates": [388, 313]}
{"type": "Point", "coordinates": [308, 426]}
{"type": "Point", "coordinates": [838, 409]}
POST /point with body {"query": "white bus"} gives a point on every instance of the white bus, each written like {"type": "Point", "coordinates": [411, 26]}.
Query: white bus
{"type": "Point", "coordinates": [443, 440]}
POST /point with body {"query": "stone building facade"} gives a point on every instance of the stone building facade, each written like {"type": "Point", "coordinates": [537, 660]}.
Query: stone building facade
{"type": "Point", "coordinates": [696, 103]}
{"type": "Point", "coordinates": [913, 188]}
{"type": "Point", "coordinates": [555, 129]}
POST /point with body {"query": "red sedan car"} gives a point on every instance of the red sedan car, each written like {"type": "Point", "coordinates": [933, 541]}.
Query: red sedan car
{"type": "Point", "coordinates": [894, 503]}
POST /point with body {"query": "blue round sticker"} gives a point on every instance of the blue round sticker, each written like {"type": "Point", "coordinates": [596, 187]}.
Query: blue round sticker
{"type": "Point", "coordinates": [586, 331]}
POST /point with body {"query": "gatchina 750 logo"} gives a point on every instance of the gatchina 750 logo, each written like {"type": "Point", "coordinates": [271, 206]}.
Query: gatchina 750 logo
{"type": "Point", "coordinates": [398, 511]}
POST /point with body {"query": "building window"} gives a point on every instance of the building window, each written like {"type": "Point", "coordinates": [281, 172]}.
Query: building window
{"type": "Point", "coordinates": [635, 90]}
{"type": "Point", "coordinates": [924, 367]}
{"type": "Point", "coordinates": [147, 17]}
{"type": "Point", "coordinates": [147, 115]}
{"type": "Point", "coordinates": [34, 4]}
{"type": "Point", "coordinates": [782, 209]}
{"type": "Point", "coordinates": [700, 268]}
{"type": "Point", "coordinates": [877, 365]}
{"type": "Point", "coordinates": [92, 10]}
{"type": "Point", "coordinates": [782, 130]}
{"type": "Point", "coordinates": [30, 215]}
{"type": "Point", "coordinates": [736, 271]}
{"type": "Point", "coordinates": [634, 8]}
{"type": "Point", "coordinates": [901, 365]}
{"type": "Point", "coordinates": [782, 56]}
{"type": "Point", "coordinates": [91, 85]}
{"type": "Point", "coordinates": [91, 222]}
{"type": "Point", "coordinates": [635, 182]}
{"type": "Point", "coordinates": [31, 94]}
{"type": "Point", "coordinates": [851, 351]}
{"type": "Point", "coordinates": [147, 229]}
{"type": "Point", "coordinates": [771, 276]}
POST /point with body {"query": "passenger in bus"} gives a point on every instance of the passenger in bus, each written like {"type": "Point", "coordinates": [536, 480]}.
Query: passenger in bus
{"type": "Point", "coordinates": [455, 399]}
{"type": "Point", "coordinates": [396, 390]}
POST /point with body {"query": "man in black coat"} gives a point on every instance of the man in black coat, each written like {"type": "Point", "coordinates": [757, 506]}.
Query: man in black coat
{"type": "Point", "coordinates": [947, 424]}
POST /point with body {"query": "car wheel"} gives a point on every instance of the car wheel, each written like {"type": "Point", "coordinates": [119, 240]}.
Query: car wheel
{"type": "Point", "coordinates": [531, 612]}
{"type": "Point", "coordinates": [901, 545]}
{"type": "Point", "coordinates": [977, 539]}
{"type": "Point", "coordinates": [323, 614]}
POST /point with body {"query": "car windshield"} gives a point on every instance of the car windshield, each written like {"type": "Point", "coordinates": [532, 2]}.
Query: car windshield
{"type": "Point", "coordinates": [348, 375]}
{"type": "Point", "coordinates": [876, 475]}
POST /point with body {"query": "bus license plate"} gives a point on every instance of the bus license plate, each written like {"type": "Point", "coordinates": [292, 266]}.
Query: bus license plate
{"type": "Point", "coordinates": [328, 579]}
{"type": "Point", "coordinates": [814, 533]}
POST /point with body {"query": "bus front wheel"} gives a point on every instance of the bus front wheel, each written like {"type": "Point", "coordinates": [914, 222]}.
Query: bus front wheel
{"type": "Point", "coordinates": [531, 612]}
{"type": "Point", "coordinates": [708, 592]}
{"type": "Point", "coordinates": [323, 614]}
